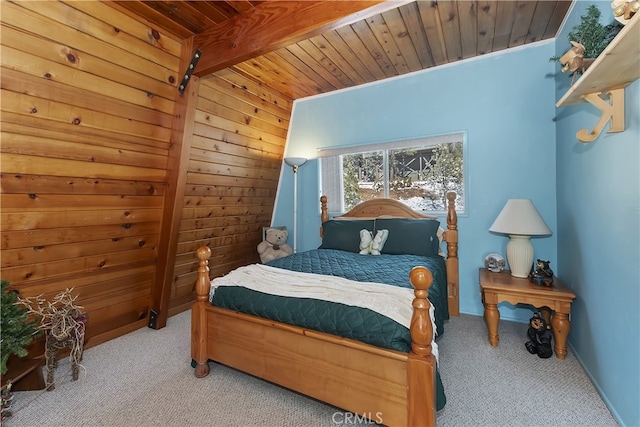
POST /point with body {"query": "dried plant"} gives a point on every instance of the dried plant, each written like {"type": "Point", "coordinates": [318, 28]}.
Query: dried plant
{"type": "Point", "coordinates": [63, 323]}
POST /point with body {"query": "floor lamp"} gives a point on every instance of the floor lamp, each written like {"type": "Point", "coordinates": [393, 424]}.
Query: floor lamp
{"type": "Point", "coordinates": [295, 163]}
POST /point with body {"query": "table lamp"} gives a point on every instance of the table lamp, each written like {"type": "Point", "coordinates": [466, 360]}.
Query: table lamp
{"type": "Point", "coordinates": [520, 220]}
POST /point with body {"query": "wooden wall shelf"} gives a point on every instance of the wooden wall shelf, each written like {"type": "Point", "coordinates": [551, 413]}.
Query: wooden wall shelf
{"type": "Point", "coordinates": [603, 83]}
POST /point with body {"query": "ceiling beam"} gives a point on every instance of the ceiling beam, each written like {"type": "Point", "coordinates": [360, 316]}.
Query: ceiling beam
{"type": "Point", "coordinates": [272, 25]}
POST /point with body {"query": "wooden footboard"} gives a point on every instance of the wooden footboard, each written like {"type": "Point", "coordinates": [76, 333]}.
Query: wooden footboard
{"type": "Point", "coordinates": [390, 387]}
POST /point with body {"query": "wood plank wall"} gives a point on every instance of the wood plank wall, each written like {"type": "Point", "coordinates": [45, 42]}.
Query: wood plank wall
{"type": "Point", "coordinates": [236, 155]}
{"type": "Point", "coordinates": [87, 110]}
{"type": "Point", "coordinates": [88, 97]}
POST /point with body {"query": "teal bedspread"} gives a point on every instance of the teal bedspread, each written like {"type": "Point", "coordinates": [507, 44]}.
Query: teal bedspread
{"type": "Point", "coordinates": [388, 269]}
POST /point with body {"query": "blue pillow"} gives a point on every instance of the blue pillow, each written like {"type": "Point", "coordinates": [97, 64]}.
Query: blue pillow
{"type": "Point", "coordinates": [410, 236]}
{"type": "Point", "coordinates": [344, 234]}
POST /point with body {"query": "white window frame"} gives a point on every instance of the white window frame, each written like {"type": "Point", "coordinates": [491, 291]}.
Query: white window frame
{"type": "Point", "coordinates": [337, 206]}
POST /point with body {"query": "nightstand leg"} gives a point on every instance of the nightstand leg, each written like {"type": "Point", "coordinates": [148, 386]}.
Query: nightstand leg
{"type": "Point", "coordinates": [546, 314]}
{"type": "Point", "coordinates": [492, 318]}
{"type": "Point", "coordinates": [561, 327]}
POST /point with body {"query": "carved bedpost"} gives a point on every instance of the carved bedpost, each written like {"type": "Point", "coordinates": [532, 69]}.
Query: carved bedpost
{"type": "Point", "coordinates": [421, 364]}
{"type": "Point", "coordinates": [421, 327]}
{"type": "Point", "coordinates": [452, 224]}
{"type": "Point", "coordinates": [199, 314]}
{"type": "Point", "coordinates": [453, 278]}
{"type": "Point", "coordinates": [324, 215]}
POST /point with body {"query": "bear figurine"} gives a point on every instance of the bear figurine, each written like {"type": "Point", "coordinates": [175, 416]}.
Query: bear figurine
{"type": "Point", "coordinates": [542, 275]}
{"type": "Point", "coordinates": [274, 246]}
{"type": "Point", "coordinates": [539, 334]}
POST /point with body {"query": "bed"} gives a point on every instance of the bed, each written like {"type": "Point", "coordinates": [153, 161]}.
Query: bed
{"type": "Point", "coordinates": [389, 384]}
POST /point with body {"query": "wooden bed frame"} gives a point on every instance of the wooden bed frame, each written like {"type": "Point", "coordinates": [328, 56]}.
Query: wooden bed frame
{"type": "Point", "coordinates": [387, 386]}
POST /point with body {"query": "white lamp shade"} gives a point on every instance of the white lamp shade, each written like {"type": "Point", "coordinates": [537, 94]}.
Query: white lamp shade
{"type": "Point", "coordinates": [519, 216]}
{"type": "Point", "coordinates": [295, 161]}
{"type": "Point", "coordinates": [520, 219]}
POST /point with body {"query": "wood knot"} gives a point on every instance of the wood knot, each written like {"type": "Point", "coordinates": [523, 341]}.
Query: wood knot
{"type": "Point", "coordinates": [155, 34]}
{"type": "Point", "coordinates": [71, 57]}
{"type": "Point", "coordinates": [77, 121]}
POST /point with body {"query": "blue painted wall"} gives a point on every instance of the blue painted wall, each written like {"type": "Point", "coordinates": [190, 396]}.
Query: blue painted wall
{"type": "Point", "coordinates": [598, 190]}
{"type": "Point", "coordinates": [518, 146]}
{"type": "Point", "coordinates": [505, 104]}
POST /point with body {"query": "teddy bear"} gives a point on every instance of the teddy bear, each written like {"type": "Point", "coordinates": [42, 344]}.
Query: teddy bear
{"type": "Point", "coordinates": [274, 246]}
{"type": "Point", "coordinates": [539, 334]}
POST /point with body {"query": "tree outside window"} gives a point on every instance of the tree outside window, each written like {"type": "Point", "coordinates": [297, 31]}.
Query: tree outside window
{"type": "Point", "coordinates": [419, 176]}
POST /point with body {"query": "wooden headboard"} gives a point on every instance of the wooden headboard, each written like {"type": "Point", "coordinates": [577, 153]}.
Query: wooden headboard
{"type": "Point", "coordinates": [389, 208]}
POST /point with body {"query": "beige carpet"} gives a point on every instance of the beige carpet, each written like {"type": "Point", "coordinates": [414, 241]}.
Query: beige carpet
{"type": "Point", "coordinates": [145, 379]}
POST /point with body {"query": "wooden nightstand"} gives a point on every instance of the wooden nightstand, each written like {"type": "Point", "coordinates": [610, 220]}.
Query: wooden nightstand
{"type": "Point", "coordinates": [499, 287]}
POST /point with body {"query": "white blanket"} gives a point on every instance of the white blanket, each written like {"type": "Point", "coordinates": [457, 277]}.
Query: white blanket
{"type": "Point", "coordinates": [391, 301]}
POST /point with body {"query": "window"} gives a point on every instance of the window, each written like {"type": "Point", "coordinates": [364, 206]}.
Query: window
{"type": "Point", "coordinates": [418, 172]}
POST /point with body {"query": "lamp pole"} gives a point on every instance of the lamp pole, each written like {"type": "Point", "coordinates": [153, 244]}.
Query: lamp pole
{"type": "Point", "coordinates": [295, 163]}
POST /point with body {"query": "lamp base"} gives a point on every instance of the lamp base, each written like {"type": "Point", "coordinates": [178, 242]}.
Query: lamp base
{"type": "Point", "coordinates": [520, 255]}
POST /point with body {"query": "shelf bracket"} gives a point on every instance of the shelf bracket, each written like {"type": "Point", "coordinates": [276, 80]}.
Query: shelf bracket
{"type": "Point", "coordinates": [611, 111]}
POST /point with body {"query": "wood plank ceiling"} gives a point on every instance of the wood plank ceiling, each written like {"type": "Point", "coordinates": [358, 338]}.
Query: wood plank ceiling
{"type": "Point", "coordinates": [413, 36]}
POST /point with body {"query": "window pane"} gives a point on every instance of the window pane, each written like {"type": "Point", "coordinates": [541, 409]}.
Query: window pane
{"type": "Point", "coordinates": [363, 177]}
{"type": "Point", "coordinates": [422, 177]}
{"type": "Point", "coordinates": [331, 172]}
{"type": "Point", "coordinates": [418, 172]}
